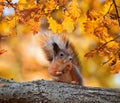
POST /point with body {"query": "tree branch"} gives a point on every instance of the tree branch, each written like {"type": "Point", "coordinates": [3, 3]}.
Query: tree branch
{"type": "Point", "coordinates": [117, 13]}
{"type": "Point", "coordinates": [54, 92]}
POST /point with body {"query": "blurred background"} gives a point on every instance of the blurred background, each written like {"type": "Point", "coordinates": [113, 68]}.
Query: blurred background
{"type": "Point", "coordinates": [25, 61]}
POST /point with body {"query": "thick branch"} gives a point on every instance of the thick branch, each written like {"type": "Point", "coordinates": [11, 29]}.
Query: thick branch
{"type": "Point", "coordinates": [54, 92]}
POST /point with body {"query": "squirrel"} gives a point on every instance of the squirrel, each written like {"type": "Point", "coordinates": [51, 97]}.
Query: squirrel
{"type": "Point", "coordinates": [62, 57]}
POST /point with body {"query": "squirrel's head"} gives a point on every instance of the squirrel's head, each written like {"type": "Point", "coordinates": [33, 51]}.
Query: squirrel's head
{"type": "Point", "coordinates": [62, 54]}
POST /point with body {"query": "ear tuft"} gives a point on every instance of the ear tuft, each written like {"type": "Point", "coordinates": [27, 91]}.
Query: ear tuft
{"type": "Point", "coordinates": [67, 43]}
{"type": "Point", "coordinates": [56, 48]}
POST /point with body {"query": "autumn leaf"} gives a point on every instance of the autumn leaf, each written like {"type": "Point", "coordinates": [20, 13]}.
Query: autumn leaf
{"type": "Point", "coordinates": [61, 2]}
{"type": "Point", "coordinates": [1, 7]}
{"type": "Point", "coordinates": [89, 27]}
{"type": "Point", "coordinates": [65, 16]}
{"type": "Point", "coordinates": [74, 10]}
{"type": "Point", "coordinates": [116, 68]}
{"type": "Point", "coordinates": [50, 5]}
{"type": "Point", "coordinates": [101, 33]}
{"type": "Point", "coordinates": [90, 54]}
{"type": "Point", "coordinates": [108, 21]}
{"type": "Point", "coordinates": [34, 26]}
{"type": "Point", "coordinates": [107, 7]}
{"type": "Point", "coordinates": [68, 24]}
{"type": "Point", "coordinates": [54, 26]}
{"type": "Point", "coordinates": [93, 14]}
{"type": "Point", "coordinates": [113, 45]}
{"type": "Point", "coordinates": [26, 4]}
{"type": "Point", "coordinates": [2, 51]}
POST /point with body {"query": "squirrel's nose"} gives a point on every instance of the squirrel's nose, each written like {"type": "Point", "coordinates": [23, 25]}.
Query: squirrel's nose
{"type": "Point", "coordinates": [70, 58]}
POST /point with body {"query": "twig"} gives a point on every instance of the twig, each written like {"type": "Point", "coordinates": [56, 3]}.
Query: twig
{"type": "Point", "coordinates": [97, 49]}
{"type": "Point", "coordinates": [12, 5]}
{"type": "Point", "coordinates": [118, 17]}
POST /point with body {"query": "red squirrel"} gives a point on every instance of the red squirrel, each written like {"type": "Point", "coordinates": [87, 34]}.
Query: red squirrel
{"type": "Point", "coordinates": [62, 57]}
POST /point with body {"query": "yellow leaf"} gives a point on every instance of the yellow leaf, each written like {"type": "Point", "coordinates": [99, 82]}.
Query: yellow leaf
{"type": "Point", "coordinates": [113, 45]}
{"type": "Point", "coordinates": [26, 4]}
{"type": "Point", "coordinates": [13, 21]}
{"type": "Point", "coordinates": [107, 7]}
{"type": "Point", "coordinates": [34, 26]}
{"type": "Point", "coordinates": [74, 9]}
{"type": "Point", "coordinates": [4, 28]}
{"type": "Point", "coordinates": [50, 5]}
{"type": "Point", "coordinates": [22, 1]}
{"type": "Point", "coordinates": [68, 24]}
{"type": "Point", "coordinates": [54, 26]}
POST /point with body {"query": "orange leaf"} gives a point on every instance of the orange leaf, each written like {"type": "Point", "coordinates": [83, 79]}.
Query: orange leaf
{"type": "Point", "coordinates": [2, 51]}
{"type": "Point", "coordinates": [116, 68]}
{"type": "Point", "coordinates": [90, 54]}
{"type": "Point", "coordinates": [1, 6]}
{"type": "Point", "coordinates": [93, 15]}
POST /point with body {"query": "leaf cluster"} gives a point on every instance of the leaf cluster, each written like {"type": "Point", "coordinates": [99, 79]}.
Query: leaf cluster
{"type": "Point", "coordinates": [64, 16]}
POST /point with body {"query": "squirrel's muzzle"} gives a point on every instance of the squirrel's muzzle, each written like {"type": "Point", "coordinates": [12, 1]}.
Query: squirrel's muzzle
{"type": "Point", "coordinates": [68, 59]}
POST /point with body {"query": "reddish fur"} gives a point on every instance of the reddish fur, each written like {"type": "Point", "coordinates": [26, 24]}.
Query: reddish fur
{"type": "Point", "coordinates": [59, 70]}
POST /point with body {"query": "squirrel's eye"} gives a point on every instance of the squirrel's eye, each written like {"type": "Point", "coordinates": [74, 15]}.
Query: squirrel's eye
{"type": "Point", "coordinates": [61, 54]}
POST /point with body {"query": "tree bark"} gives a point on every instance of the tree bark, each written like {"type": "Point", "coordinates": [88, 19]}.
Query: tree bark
{"type": "Point", "coordinates": [53, 92]}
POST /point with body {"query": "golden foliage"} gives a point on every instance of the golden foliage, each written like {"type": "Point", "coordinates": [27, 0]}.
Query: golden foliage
{"type": "Point", "coordinates": [99, 24]}
{"type": "Point", "coordinates": [107, 7]}
{"type": "Point", "coordinates": [34, 25]}
{"type": "Point", "coordinates": [54, 26]}
{"type": "Point", "coordinates": [116, 67]}
{"type": "Point", "coordinates": [50, 6]}
{"type": "Point", "coordinates": [93, 15]}
{"type": "Point", "coordinates": [74, 10]}
{"type": "Point", "coordinates": [68, 24]}
{"type": "Point", "coordinates": [63, 16]}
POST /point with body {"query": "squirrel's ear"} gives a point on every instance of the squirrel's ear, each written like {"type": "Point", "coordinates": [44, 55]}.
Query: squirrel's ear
{"type": "Point", "coordinates": [56, 48]}
{"type": "Point", "coordinates": [67, 43]}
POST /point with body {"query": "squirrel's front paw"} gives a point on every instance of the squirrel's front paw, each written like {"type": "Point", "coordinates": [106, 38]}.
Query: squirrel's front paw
{"type": "Point", "coordinates": [58, 73]}
{"type": "Point", "coordinates": [74, 82]}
